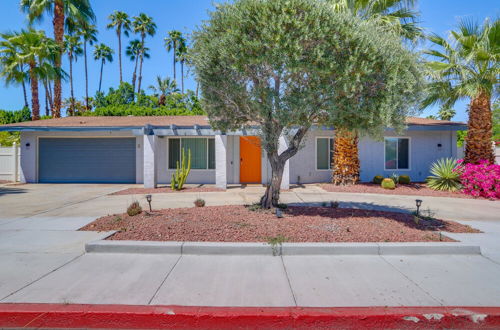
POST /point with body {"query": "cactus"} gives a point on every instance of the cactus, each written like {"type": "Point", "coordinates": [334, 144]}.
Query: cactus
{"type": "Point", "coordinates": [404, 179]}
{"type": "Point", "coordinates": [388, 184]}
{"type": "Point", "coordinates": [181, 173]}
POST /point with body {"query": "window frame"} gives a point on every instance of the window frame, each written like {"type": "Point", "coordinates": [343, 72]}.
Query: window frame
{"type": "Point", "coordinates": [397, 153]}
{"type": "Point", "coordinates": [180, 151]}
{"type": "Point", "coordinates": [330, 140]}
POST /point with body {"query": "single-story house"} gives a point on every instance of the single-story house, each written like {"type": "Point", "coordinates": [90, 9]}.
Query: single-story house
{"type": "Point", "coordinates": [146, 150]}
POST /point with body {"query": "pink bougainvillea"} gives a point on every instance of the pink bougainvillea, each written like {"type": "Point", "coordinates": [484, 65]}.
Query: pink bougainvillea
{"type": "Point", "coordinates": [480, 180]}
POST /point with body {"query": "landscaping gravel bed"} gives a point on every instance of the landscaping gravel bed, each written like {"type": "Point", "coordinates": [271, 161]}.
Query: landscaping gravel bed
{"type": "Point", "coordinates": [238, 223]}
{"type": "Point", "coordinates": [413, 189]}
{"type": "Point", "coordinates": [164, 190]}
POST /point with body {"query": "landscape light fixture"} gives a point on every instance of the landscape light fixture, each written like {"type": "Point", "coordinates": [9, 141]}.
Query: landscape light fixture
{"type": "Point", "coordinates": [279, 214]}
{"type": "Point", "coordinates": [149, 198]}
{"type": "Point", "coordinates": [418, 202]}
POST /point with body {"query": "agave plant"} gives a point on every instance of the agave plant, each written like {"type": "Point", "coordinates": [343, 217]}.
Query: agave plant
{"type": "Point", "coordinates": [445, 175]}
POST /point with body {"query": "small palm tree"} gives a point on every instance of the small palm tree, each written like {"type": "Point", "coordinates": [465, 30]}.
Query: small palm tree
{"type": "Point", "coordinates": [468, 66]}
{"type": "Point", "coordinates": [134, 51]}
{"type": "Point", "coordinates": [59, 9]}
{"type": "Point", "coordinates": [88, 33]}
{"type": "Point", "coordinates": [144, 26]}
{"type": "Point", "coordinates": [12, 70]}
{"type": "Point", "coordinates": [39, 52]}
{"type": "Point", "coordinates": [72, 47]}
{"type": "Point", "coordinates": [163, 88]}
{"type": "Point", "coordinates": [121, 23]}
{"type": "Point", "coordinates": [102, 53]}
{"type": "Point", "coordinates": [172, 42]}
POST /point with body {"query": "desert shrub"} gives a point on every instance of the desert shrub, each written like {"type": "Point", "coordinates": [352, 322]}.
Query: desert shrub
{"type": "Point", "coordinates": [404, 179]}
{"type": "Point", "coordinates": [445, 175]}
{"type": "Point", "coordinates": [134, 209]}
{"type": "Point", "coordinates": [481, 180]}
{"type": "Point", "coordinates": [199, 202]}
{"type": "Point", "coordinates": [377, 179]}
{"type": "Point", "coordinates": [388, 184]}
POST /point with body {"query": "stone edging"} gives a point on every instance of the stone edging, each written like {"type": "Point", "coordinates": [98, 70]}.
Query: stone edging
{"type": "Point", "coordinates": [286, 249]}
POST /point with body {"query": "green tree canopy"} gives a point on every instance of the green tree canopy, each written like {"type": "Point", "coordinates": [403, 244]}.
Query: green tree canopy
{"type": "Point", "coordinates": [287, 65]}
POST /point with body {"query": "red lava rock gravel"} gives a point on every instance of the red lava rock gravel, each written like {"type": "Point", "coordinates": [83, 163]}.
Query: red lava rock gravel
{"type": "Point", "coordinates": [139, 191]}
{"type": "Point", "coordinates": [413, 189]}
{"type": "Point", "coordinates": [238, 223]}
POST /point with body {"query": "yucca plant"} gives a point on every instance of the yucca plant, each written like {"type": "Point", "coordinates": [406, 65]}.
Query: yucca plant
{"type": "Point", "coordinates": [445, 175]}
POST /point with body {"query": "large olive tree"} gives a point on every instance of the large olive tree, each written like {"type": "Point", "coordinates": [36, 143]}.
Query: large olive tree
{"type": "Point", "coordinates": [289, 65]}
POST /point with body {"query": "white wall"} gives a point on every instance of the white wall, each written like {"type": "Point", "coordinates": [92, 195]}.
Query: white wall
{"type": "Point", "coordinates": [9, 163]}
{"type": "Point", "coordinates": [29, 154]}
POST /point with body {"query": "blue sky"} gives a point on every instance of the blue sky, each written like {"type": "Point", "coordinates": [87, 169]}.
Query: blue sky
{"type": "Point", "coordinates": [436, 15]}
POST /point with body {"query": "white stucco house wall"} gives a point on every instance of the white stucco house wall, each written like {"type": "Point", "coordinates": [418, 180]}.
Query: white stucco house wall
{"type": "Point", "coordinates": [146, 149]}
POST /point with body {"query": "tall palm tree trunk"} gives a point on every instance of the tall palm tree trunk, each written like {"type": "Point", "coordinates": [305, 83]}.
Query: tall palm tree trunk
{"type": "Point", "coordinates": [175, 60]}
{"type": "Point", "coordinates": [182, 77]}
{"type": "Point", "coordinates": [35, 104]}
{"type": "Point", "coordinates": [71, 83]}
{"type": "Point", "coordinates": [47, 97]}
{"type": "Point", "coordinates": [140, 73]}
{"type": "Point", "coordinates": [100, 76]}
{"type": "Point", "coordinates": [86, 76]}
{"type": "Point", "coordinates": [197, 88]}
{"type": "Point", "coordinates": [25, 95]}
{"type": "Point", "coordinates": [478, 141]}
{"type": "Point", "coordinates": [58, 23]}
{"type": "Point", "coordinates": [345, 158]}
{"type": "Point", "coordinates": [51, 98]}
{"type": "Point", "coordinates": [120, 52]}
{"type": "Point", "coordinates": [134, 75]}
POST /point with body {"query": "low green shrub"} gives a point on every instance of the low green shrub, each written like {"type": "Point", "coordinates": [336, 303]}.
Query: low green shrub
{"type": "Point", "coordinates": [388, 184]}
{"type": "Point", "coordinates": [445, 175]}
{"type": "Point", "coordinates": [377, 179]}
{"type": "Point", "coordinates": [134, 209]}
{"type": "Point", "coordinates": [404, 179]}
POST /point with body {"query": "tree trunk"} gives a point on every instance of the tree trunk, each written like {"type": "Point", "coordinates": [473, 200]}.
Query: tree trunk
{"type": "Point", "coordinates": [478, 141]}
{"type": "Point", "coordinates": [71, 83]}
{"type": "Point", "coordinates": [25, 94]}
{"type": "Point", "coordinates": [86, 76]}
{"type": "Point", "coordinates": [140, 73]}
{"type": "Point", "coordinates": [49, 91]}
{"type": "Point", "coordinates": [100, 76]}
{"type": "Point", "coordinates": [134, 75]}
{"type": "Point", "coordinates": [35, 105]}
{"type": "Point", "coordinates": [182, 77]}
{"type": "Point", "coordinates": [47, 96]}
{"type": "Point", "coordinates": [272, 195]}
{"type": "Point", "coordinates": [58, 23]}
{"type": "Point", "coordinates": [197, 88]}
{"type": "Point", "coordinates": [345, 158]}
{"type": "Point", "coordinates": [119, 32]}
{"type": "Point", "coordinates": [175, 60]}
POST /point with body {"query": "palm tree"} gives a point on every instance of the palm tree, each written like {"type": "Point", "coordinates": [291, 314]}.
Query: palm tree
{"type": "Point", "coordinates": [182, 57]}
{"type": "Point", "coordinates": [120, 22]}
{"type": "Point", "coordinates": [39, 52]}
{"type": "Point", "coordinates": [12, 69]}
{"type": "Point", "coordinates": [72, 47]}
{"type": "Point", "coordinates": [144, 25]}
{"type": "Point", "coordinates": [78, 9]}
{"type": "Point", "coordinates": [163, 88]}
{"type": "Point", "coordinates": [88, 32]}
{"type": "Point", "coordinates": [134, 51]}
{"type": "Point", "coordinates": [396, 16]}
{"type": "Point", "coordinates": [102, 53]}
{"type": "Point", "coordinates": [467, 67]}
{"type": "Point", "coordinates": [172, 44]}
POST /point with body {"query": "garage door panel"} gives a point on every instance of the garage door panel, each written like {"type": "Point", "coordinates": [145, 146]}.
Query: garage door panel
{"type": "Point", "coordinates": [92, 160]}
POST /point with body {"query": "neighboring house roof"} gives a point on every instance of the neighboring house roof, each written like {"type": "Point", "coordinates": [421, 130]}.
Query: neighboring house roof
{"type": "Point", "coordinates": [140, 122]}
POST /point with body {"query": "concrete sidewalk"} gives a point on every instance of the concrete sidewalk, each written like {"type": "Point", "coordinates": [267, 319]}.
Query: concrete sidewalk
{"type": "Point", "coordinates": [318, 281]}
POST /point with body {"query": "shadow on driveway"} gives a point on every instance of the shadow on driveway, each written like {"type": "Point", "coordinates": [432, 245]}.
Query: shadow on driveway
{"type": "Point", "coordinates": [11, 190]}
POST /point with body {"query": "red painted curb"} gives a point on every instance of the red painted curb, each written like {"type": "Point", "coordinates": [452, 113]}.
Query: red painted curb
{"type": "Point", "coordinates": [184, 317]}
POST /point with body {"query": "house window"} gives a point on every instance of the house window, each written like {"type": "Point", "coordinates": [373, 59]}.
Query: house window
{"type": "Point", "coordinates": [202, 152]}
{"type": "Point", "coordinates": [397, 153]}
{"type": "Point", "coordinates": [324, 153]}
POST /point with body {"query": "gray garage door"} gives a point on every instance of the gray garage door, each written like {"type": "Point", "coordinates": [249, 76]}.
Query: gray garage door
{"type": "Point", "coordinates": [93, 160]}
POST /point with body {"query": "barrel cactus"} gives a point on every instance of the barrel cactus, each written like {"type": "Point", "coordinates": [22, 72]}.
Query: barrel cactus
{"type": "Point", "coordinates": [388, 184]}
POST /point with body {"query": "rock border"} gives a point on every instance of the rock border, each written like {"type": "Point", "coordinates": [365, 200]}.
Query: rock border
{"type": "Point", "coordinates": [285, 249]}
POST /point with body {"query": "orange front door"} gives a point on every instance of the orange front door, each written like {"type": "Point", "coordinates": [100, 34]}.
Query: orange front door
{"type": "Point", "coordinates": [250, 159]}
